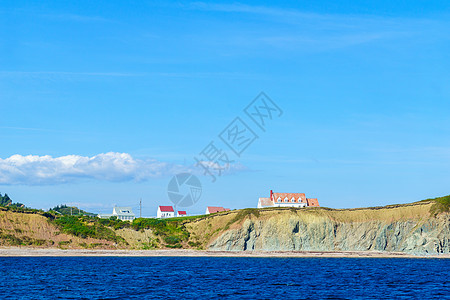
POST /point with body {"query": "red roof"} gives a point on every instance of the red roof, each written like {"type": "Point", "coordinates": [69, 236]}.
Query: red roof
{"type": "Point", "coordinates": [296, 196]}
{"type": "Point", "coordinates": [181, 212]}
{"type": "Point", "coordinates": [214, 209]}
{"type": "Point", "coordinates": [312, 202]}
{"type": "Point", "coordinates": [166, 208]}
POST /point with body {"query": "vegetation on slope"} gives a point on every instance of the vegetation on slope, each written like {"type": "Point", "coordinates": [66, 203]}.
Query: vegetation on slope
{"type": "Point", "coordinates": [187, 232]}
{"type": "Point", "coordinates": [70, 210]}
{"type": "Point", "coordinates": [243, 214]}
{"type": "Point", "coordinates": [83, 226]}
{"type": "Point", "coordinates": [12, 239]}
{"type": "Point", "coordinates": [441, 204]}
{"type": "Point", "coordinates": [171, 232]}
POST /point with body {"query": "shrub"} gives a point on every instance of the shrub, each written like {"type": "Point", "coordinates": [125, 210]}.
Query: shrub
{"type": "Point", "coordinates": [87, 227]}
{"type": "Point", "coordinates": [194, 244]}
{"type": "Point", "coordinates": [171, 240]}
{"type": "Point", "coordinates": [49, 215]}
{"type": "Point", "coordinates": [174, 246]}
{"type": "Point", "coordinates": [172, 232]}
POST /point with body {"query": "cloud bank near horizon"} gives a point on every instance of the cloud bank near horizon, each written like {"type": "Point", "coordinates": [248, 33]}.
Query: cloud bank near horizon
{"type": "Point", "coordinates": [111, 166]}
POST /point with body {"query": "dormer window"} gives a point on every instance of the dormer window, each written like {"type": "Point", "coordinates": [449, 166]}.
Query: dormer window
{"type": "Point", "coordinates": [286, 199]}
{"type": "Point", "coordinates": [279, 199]}
{"type": "Point", "coordinates": [293, 200]}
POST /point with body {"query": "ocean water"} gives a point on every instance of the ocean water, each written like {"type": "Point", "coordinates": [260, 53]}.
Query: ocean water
{"type": "Point", "coordinates": [223, 278]}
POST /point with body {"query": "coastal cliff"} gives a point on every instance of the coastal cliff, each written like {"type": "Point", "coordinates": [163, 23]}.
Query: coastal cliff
{"type": "Point", "coordinates": [405, 228]}
{"type": "Point", "coordinates": [420, 228]}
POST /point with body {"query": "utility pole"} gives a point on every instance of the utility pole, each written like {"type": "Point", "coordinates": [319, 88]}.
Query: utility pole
{"type": "Point", "coordinates": [140, 208]}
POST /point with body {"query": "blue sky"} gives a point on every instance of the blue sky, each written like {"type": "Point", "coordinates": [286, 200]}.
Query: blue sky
{"type": "Point", "coordinates": [364, 88]}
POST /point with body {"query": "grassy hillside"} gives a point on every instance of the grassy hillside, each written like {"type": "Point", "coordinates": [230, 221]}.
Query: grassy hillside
{"type": "Point", "coordinates": [35, 228]}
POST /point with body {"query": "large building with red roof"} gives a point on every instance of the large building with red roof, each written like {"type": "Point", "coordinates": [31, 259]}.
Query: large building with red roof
{"type": "Point", "coordinates": [287, 200]}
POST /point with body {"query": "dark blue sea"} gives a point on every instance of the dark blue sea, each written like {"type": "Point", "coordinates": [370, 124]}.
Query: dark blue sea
{"type": "Point", "coordinates": [222, 278]}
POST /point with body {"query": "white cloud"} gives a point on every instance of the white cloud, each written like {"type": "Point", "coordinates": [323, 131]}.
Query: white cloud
{"type": "Point", "coordinates": [111, 166]}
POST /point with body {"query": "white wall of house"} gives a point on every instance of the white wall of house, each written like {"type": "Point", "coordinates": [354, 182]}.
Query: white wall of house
{"type": "Point", "coordinates": [290, 204]}
{"type": "Point", "coordinates": [165, 214]}
{"type": "Point", "coordinates": [282, 203]}
{"type": "Point", "coordinates": [264, 202]}
{"type": "Point", "coordinates": [125, 218]}
{"type": "Point", "coordinates": [122, 213]}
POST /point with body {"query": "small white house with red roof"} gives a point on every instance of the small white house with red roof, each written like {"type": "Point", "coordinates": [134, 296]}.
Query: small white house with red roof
{"type": "Point", "coordinates": [215, 209]}
{"type": "Point", "coordinates": [165, 212]}
{"type": "Point", "coordinates": [181, 213]}
{"type": "Point", "coordinates": [287, 200]}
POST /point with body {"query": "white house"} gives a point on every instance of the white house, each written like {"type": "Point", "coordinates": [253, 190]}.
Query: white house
{"type": "Point", "coordinates": [165, 212]}
{"type": "Point", "coordinates": [214, 209]}
{"type": "Point", "coordinates": [181, 213]}
{"type": "Point", "coordinates": [287, 200]}
{"type": "Point", "coordinates": [122, 213]}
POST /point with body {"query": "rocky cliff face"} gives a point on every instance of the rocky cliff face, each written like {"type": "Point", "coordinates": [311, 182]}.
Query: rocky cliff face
{"type": "Point", "coordinates": [409, 229]}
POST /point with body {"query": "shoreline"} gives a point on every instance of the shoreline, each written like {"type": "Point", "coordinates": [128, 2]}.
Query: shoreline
{"type": "Point", "coordinates": [52, 252]}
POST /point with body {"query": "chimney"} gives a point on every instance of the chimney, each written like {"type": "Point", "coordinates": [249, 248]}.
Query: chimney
{"type": "Point", "coordinates": [271, 193]}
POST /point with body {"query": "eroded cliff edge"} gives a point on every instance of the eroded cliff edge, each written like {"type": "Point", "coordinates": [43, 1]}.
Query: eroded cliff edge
{"type": "Point", "coordinates": [418, 228]}
{"type": "Point", "coordinates": [403, 228]}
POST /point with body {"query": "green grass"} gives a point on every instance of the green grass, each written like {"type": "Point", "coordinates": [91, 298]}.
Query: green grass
{"type": "Point", "coordinates": [86, 227]}
{"type": "Point", "coordinates": [171, 231]}
{"type": "Point", "coordinates": [114, 223]}
{"type": "Point", "coordinates": [12, 240]}
{"type": "Point", "coordinates": [442, 204]}
{"type": "Point", "coordinates": [242, 214]}
{"type": "Point", "coordinates": [23, 210]}
{"type": "Point", "coordinates": [188, 218]}
{"type": "Point", "coordinates": [152, 243]}
{"type": "Point", "coordinates": [172, 240]}
{"type": "Point", "coordinates": [91, 245]}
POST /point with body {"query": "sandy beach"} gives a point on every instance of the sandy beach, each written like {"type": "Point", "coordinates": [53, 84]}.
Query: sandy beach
{"type": "Point", "coordinates": [33, 252]}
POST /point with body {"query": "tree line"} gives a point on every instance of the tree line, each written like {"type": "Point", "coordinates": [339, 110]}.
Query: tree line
{"type": "Point", "coordinates": [7, 201]}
